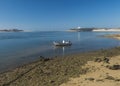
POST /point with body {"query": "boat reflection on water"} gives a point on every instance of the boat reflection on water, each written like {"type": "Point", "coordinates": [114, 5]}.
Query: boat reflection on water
{"type": "Point", "coordinates": [78, 36]}
{"type": "Point", "coordinates": [61, 49]}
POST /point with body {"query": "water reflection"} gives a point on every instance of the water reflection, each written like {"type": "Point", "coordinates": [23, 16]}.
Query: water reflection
{"type": "Point", "coordinates": [61, 49]}
{"type": "Point", "coordinates": [78, 36]}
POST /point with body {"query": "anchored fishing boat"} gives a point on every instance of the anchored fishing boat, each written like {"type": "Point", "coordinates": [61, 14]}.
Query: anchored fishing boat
{"type": "Point", "coordinates": [63, 43]}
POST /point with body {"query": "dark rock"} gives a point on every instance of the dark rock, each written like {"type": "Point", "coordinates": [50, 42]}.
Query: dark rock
{"type": "Point", "coordinates": [99, 80]}
{"type": "Point", "coordinates": [114, 67]}
{"type": "Point", "coordinates": [91, 79]}
{"type": "Point", "coordinates": [98, 60]}
{"type": "Point", "coordinates": [110, 78]}
{"type": "Point", "coordinates": [106, 60]}
{"type": "Point", "coordinates": [117, 79]}
{"type": "Point", "coordinates": [51, 81]}
{"type": "Point", "coordinates": [44, 59]}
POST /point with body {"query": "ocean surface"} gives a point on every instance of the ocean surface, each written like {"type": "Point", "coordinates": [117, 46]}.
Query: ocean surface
{"type": "Point", "coordinates": [18, 48]}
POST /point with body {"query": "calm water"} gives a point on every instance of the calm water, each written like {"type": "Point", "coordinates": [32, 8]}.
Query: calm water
{"type": "Point", "coordinates": [20, 48]}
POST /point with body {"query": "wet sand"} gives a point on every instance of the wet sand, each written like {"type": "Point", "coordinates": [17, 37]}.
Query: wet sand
{"type": "Point", "coordinates": [59, 70]}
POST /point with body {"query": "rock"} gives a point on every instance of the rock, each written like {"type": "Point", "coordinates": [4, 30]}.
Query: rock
{"type": "Point", "coordinates": [117, 79]}
{"type": "Point", "coordinates": [98, 60]}
{"type": "Point", "coordinates": [106, 60]}
{"type": "Point", "coordinates": [110, 78]}
{"type": "Point", "coordinates": [91, 79]}
{"type": "Point", "coordinates": [44, 59]}
{"type": "Point", "coordinates": [51, 81]}
{"type": "Point", "coordinates": [114, 67]}
{"type": "Point", "coordinates": [99, 80]}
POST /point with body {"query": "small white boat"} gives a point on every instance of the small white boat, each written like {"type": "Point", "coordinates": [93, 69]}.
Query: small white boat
{"type": "Point", "coordinates": [64, 43]}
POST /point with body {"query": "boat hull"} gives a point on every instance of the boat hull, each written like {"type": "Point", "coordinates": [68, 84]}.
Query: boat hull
{"type": "Point", "coordinates": [62, 44]}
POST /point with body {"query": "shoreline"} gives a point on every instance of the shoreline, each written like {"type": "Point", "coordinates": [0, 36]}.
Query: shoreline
{"type": "Point", "coordinates": [114, 36]}
{"type": "Point", "coordinates": [54, 71]}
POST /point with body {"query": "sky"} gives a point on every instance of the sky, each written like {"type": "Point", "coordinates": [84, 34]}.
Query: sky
{"type": "Point", "coordinates": [50, 15]}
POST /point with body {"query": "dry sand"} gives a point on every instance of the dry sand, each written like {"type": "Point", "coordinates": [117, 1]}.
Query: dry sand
{"type": "Point", "coordinates": [98, 75]}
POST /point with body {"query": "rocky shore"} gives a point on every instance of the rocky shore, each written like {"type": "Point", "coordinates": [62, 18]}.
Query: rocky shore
{"type": "Point", "coordinates": [58, 70]}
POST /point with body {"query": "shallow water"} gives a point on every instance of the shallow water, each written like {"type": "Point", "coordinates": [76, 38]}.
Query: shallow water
{"type": "Point", "coordinates": [22, 47]}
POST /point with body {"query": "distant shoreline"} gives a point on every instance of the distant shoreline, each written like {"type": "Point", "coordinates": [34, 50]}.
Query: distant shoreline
{"type": "Point", "coordinates": [11, 30]}
{"type": "Point", "coordinates": [94, 30]}
{"type": "Point", "coordinates": [105, 30]}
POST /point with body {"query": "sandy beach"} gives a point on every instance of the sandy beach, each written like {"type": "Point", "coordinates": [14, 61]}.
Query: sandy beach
{"type": "Point", "coordinates": [98, 75]}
